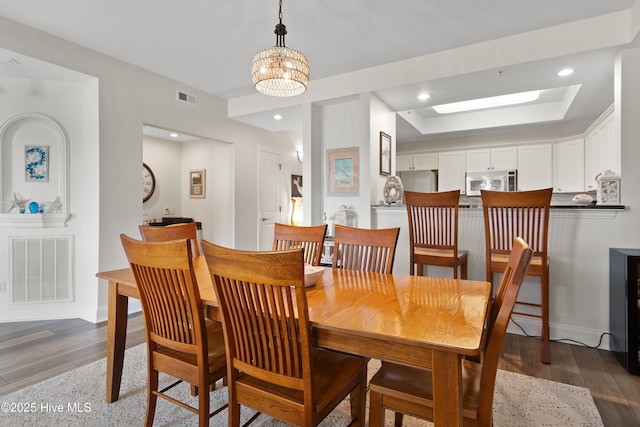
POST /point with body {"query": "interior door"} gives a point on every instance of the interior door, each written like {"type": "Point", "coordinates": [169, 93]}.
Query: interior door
{"type": "Point", "coordinates": [269, 199]}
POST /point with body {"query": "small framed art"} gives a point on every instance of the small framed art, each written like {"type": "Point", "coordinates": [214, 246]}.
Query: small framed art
{"type": "Point", "coordinates": [197, 184]}
{"type": "Point", "coordinates": [385, 154]}
{"type": "Point", "coordinates": [296, 185]}
{"type": "Point", "coordinates": [343, 167]}
{"type": "Point", "coordinates": [36, 163]}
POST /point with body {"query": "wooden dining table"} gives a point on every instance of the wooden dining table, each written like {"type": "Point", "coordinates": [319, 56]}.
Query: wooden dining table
{"type": "Point", "coordinates": [414, 320]}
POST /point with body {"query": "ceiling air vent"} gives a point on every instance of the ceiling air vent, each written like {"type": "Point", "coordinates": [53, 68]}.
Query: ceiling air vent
{"type": "Point", "coordinates": [191, 99]}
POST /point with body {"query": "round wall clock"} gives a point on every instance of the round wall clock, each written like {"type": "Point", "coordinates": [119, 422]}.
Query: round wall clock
{"type": "Point", "coordinates": [148, 182]}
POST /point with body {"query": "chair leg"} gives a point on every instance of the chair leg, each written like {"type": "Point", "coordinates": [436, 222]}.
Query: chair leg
{"type": "Point", "coordinates": [398, 419]}
{"type": "Point", "coordinates": [203, 406]}
{"type": "Point", "coordinates": [376, 410]}
{"type": "Point", "coordinates": [234, 410]}
{"type": "Point", "coordinates": [463, 271]}
{"type": "Point", "coordinates": [152, 398]}
{"type": "Point", "coordinates": [545, 353]}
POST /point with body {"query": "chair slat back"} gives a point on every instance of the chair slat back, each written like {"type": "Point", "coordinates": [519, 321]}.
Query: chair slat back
{"type": "Point", "coordinates": [505, 300]}
{"type": "Point", "coordinates": [169, 296]}
{"type": "Point", "coordinates": [433, 219]}
{"type": "Point", "coordinates": [508, 215]}
{"type": "Point", "coordinates": [156, 233]}
{"type": "Point", "coordinates": [264, 310]}
{"type": "Point", "coordinates": [365, 250]}
{"type": "Point", "coordinates": [309, 238]}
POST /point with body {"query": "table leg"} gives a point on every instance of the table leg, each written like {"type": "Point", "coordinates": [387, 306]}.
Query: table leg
{"type": "Point", "coordinates": [447, 389]}
{"type": "Point", "coordinates": [116, 340]}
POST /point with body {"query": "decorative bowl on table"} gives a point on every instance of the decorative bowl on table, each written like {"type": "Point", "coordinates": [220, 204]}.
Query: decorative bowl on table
{"type": "Point", "coordinates": [312, 274]}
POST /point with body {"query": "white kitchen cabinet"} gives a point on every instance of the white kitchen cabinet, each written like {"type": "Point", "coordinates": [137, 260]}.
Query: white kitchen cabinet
{"type": "Point", "coordinates": [416, 162]}
{"type": "Point", "coordinates": [535, 167]}
{"type": "Point", "coordinates": [451, 171]}
{"type": "Point", "coordinates": [498, 159]}
{"type": "Point", "coordinates": [602, 150]}
{"type": "Point", "coordinates": [568, 166]}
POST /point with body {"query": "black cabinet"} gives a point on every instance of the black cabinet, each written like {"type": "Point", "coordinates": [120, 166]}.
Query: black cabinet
{"type": "Point", "coordinates": [624, 304]}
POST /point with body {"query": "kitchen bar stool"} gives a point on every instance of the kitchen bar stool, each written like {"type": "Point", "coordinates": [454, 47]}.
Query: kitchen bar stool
{"type": "Point", "coordinates": [433, 231]}
{"type": "Point", "coordinates": [523, 214]}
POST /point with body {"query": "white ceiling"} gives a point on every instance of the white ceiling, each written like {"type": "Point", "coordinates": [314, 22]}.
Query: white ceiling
{"type": "Point", "coordinates": [453, 49]}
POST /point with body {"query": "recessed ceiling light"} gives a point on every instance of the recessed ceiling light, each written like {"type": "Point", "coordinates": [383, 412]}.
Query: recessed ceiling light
{"type": "Point", "coordinates": [277, 117]}
{"type": "Point", "coordinates": [491, 102]}
{"type": "Point", "coordinates": [424, 96]}
{"type": "Point", "coordinates": [174, 135]}
{"type": "Point", "coordinates": [565, 72]}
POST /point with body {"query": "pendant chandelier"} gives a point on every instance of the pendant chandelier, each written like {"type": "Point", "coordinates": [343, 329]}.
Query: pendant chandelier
{"type": "Point", "coordinates": [278, 70]}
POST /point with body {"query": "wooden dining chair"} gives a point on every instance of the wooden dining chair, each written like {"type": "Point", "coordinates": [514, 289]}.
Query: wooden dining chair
{"type": "Point", "coordinates": [524, 214]}
{"type": "Point", "coordinates": [365, 250]}
{"type": "Point", "coordinates": [409, 390]}
{"type": "Point", "coordinates": [157, 233]}
{"type": "Point", "coordinates": [180, 341]}
{"type": "Point", "coordinates": [310, 238]}
{"type": "Point", "coordinates": [272, 365]}
{"type": "Point", "coordinates": [433, 232]}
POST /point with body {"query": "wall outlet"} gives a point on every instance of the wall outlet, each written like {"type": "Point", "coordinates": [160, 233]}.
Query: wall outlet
{"type": "Point", "coordinates": [3, 287]}
{"type": "Point", "coordinates": [167, 211]}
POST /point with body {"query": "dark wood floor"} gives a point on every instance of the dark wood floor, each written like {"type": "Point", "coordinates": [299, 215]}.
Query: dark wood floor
{"type": "Point", "coordinates": [31, 352]}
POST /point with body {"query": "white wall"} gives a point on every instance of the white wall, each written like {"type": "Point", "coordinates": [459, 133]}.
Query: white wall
{"type": "Point", "coordinates": [106, 174]}
{"type": "Point", "coordinates": [73, 105]}
{"type": "Point", "coordinates": [215, 210]}
{"type": "Point", "coordinates": [381, 119]}
{"type": "Point", "coordinates": [164, 158]}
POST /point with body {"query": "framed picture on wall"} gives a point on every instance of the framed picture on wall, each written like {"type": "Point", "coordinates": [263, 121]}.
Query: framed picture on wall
{"type": "Point", "coordinates": [197, 183]}
{"type": "Point", "coordinates": [296, 185]}
{"type": "Point", "coordinates": [385, 154]}
{"type": "Point", "coordinates": [343, 168]}
{"type": "Point", "coordinates": [36, 163]}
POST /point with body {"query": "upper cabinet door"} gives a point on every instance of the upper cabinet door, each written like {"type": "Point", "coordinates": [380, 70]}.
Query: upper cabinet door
{"type": "Point", "coordinates": [425, 161]}
{"type": "Point", "coordinates": [535, 167]}
{"type": "Point", "coordinates": [568, 166]}
{"type": "Point", "coordinates": [478, 160]}
{"type": "Point", "coordinates": [451, 175]}
{"type": "Point", "coordinates": [416, 162]}
{"type": "Point", "coordinates": [404, 162]}
{"type": "Point", "coordinates": [504, 158]}
{"type": "Point", "coordinates": [490, 159]}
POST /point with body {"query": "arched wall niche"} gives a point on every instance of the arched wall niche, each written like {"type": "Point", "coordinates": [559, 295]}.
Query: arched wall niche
{"type": "Point", "coordinates": [49, 186]}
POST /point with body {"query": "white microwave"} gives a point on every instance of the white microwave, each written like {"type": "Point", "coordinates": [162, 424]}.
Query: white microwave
{"type": "Point", "coordinates": [491, 180]}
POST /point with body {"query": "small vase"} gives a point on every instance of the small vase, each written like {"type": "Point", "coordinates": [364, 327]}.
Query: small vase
{"type": "Point", "coordinates": [393, 190]}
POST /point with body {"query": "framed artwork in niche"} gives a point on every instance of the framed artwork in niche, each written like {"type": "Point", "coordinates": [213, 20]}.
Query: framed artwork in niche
{"type": "Point", "coordinates": [36, 163]}
{"type": "Point", "coordinates": [197, 184]}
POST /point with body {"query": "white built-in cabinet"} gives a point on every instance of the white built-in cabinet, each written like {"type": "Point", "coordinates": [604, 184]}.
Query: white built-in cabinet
{"type": "Point", "coordinates": [492, 159]}
{"type": "Point", "coordinates": [535, 167]}
{"type": "Point", "coordinates": [568, 166]}
{"type": "Point", "coordinates": [416, 162]}
{"type": "Point", "coordinates": [602, 150]}
{"type": "Point", "coordinates": [451, 171]}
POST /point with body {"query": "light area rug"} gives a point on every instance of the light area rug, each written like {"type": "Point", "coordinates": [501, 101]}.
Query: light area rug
{"type": "Point", "coordinates": [77, 398]}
